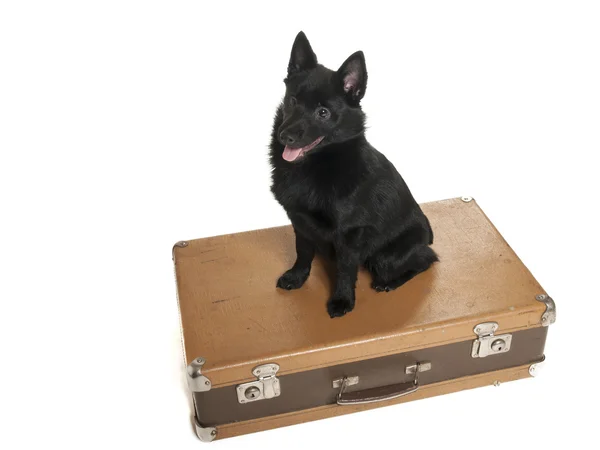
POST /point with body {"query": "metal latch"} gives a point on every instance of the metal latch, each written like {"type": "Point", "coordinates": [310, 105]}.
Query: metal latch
{"type": "Point", "coordinates": [266, 386]}
{"type": "Point", "coordinates": [487, 343]}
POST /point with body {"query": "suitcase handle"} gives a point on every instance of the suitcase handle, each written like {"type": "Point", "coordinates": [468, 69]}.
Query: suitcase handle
{"type": "Point", "coordinates": [378, 394]}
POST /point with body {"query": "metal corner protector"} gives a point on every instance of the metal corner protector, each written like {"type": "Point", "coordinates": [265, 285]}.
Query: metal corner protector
{"type": "Point", "coordinates": [179, 244]}
{"type": "Point", "coordinates": [196, 381]}
{"type": "Point", "coordinates": [535, 368]}
{"type": "Point", "coordinates": [549, 316]}
{"type": "Point", "coordinates": [205, 434]}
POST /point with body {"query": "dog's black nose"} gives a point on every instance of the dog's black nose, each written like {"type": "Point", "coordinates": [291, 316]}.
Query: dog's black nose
{"type": "Point", "coordinates": [290, 137]}
{"type": "Point", "coordinates": [286, 138]}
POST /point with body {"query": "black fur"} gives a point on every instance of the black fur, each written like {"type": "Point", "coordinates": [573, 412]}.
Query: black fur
{"type": "Point", "coordinates": [345, 199]}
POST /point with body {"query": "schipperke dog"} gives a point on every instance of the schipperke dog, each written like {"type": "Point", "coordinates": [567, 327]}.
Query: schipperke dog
{"type": "Point", "coordinates": [345, 199]}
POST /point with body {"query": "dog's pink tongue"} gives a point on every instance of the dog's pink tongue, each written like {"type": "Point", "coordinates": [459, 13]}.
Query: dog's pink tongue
{"type": "Point", "coordinates": [290, 154]}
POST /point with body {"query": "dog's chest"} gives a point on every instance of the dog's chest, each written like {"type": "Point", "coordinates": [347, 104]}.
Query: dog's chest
{"type": "Point", "coordinates": [306, 192]}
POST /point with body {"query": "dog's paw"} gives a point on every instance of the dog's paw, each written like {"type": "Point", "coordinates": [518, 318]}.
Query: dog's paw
{"type": "Point", "coordinates": [380, 286]}
{"type": "Point", "coordinates": [384, 286]}
{"type": "Point", "coordinates": [292, 279]}
{"type": "Point", "coordinates": [387, 286]}
{"type": "Point", "coordinates": [339, 306]}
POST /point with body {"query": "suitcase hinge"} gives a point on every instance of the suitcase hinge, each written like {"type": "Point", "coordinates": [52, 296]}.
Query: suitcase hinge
{"type": "Point", "coordinates": [266, 386]}
{"type": "Point", "coordinates": [487, 343]}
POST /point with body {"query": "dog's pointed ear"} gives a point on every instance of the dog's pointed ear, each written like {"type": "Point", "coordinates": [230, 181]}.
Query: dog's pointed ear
{"type": "Point", "coordinates": [302, 57]}
{"type": "Point", "coordinates": [353, 76]}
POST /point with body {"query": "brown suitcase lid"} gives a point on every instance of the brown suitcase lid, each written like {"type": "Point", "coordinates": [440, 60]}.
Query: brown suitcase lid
{"type": "Point", "coordinates": [233, 316]}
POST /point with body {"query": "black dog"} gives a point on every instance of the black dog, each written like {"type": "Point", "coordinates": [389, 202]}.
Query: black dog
{"type": "Point", "coordinates": [344, 198]}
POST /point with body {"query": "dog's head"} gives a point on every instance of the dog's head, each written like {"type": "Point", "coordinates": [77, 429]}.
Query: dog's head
{"type": "Point", "coordinates": [320, 106]}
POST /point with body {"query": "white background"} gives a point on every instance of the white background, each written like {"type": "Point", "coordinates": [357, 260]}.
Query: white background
{"type": "Point", "coordinates": [126, 126]}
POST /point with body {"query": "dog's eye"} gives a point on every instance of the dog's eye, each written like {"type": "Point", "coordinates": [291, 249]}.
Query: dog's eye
{"type": "Point", "coordinates": [292, 101]}
{"type": "Point", "coordinates": [323, 113]}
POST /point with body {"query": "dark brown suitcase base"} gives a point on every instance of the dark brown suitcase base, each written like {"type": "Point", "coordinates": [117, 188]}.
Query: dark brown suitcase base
{"type": "Point", "coordinates": [324, 412]}
{"type": "Point", "coordinates": [313, 388]}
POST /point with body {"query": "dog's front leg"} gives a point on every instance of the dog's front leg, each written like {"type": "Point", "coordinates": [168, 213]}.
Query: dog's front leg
{"type": "Point", "coordinates": [297, 275]}
{"type": "Point", "coordinates": [343, 299]}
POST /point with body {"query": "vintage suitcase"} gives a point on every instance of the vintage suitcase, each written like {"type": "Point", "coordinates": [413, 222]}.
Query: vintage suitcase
{"type": "Point", "coordinates": [260, 357]}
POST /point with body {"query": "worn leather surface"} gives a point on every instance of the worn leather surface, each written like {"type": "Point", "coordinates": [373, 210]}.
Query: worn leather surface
{"type": "Point", "coordinates": [234, 317]}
